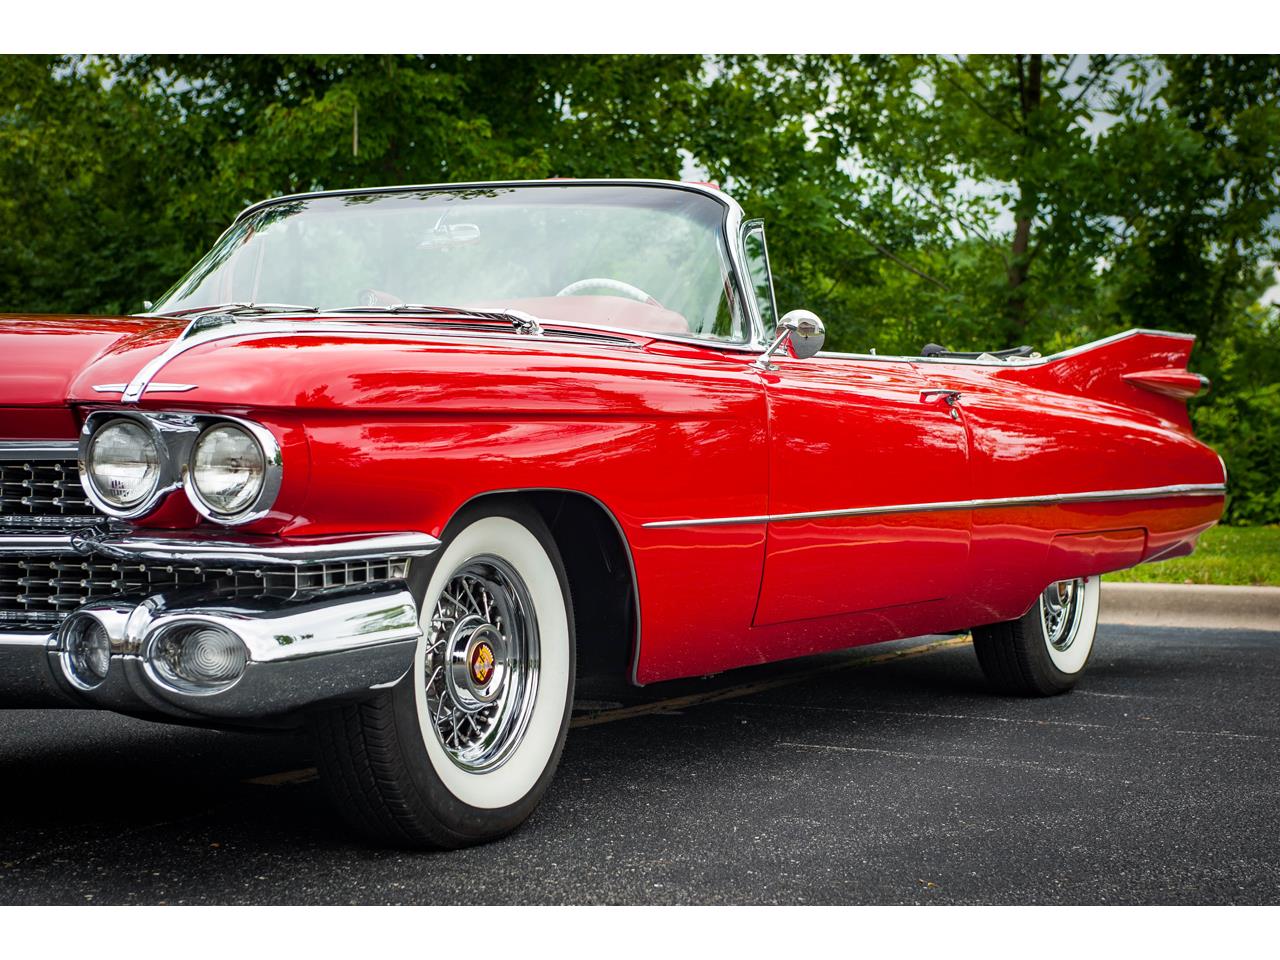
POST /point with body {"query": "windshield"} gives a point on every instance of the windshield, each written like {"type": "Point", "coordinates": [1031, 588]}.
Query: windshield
{"type": "Point", "coordinates": [631, 257]}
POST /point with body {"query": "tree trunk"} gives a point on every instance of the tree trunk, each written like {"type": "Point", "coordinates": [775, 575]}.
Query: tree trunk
{"type": "Point", "coordinates": [1029, 87]}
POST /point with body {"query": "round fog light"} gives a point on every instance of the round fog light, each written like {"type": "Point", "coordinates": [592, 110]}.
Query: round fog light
{"type": "Point", "coordinates": [86, 647]}
{"type": "Point", "coordinates": [198, 657]}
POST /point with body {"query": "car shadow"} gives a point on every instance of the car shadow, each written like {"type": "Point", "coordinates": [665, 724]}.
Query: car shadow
{"type": "Point", "coordinates": [183, 799]}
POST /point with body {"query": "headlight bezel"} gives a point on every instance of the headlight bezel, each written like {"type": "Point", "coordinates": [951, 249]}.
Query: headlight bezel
{"type": "Point", "coordinates": [166, 474]}
{"type": "Point", "coordinates": [175, 436]}
{"type": "Point", "coordinates": [272, 473]}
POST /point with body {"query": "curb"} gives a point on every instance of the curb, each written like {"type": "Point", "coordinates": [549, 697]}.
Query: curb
{"type": "Point", "coordinates": [1181, 605]}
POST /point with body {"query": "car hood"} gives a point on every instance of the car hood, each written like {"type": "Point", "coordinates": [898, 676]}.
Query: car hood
{"type": "Point", "coordinates": [42, 358]}
{"type": "Point", "coordinates": [339, 363]}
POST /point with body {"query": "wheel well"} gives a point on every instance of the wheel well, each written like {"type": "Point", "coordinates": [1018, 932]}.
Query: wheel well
{"type": "Point", "coordinates": [601, 576]}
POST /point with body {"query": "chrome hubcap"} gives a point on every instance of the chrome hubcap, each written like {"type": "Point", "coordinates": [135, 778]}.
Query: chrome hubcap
{"type": "Point", "coordinates": [481, 670]}
{"type": "Point", "coordinates": [1060, 608]}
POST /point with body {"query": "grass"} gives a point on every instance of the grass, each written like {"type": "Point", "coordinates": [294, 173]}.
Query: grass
{"type": "Point", "coordinates": [1248, 556]}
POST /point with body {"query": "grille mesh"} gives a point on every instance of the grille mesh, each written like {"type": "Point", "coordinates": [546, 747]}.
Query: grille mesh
{"type": "Point", "coordinates": [36, 592]}
{"type": "Point", "coordinates": [42, 488]}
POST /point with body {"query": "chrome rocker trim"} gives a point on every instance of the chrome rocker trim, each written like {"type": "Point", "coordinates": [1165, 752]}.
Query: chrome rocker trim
{"type": "Point", "coordinates": [1092, 496]}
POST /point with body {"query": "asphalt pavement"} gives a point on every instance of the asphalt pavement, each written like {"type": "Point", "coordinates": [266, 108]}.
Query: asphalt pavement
{"type": "Point", "coordinates": [886, 775]}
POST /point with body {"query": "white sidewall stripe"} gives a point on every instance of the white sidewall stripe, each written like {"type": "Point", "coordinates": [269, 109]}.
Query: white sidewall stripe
{"type": "Point", "coordinates": [1071, 660]}
{"type": "Point", "coordinates": [512, 542]}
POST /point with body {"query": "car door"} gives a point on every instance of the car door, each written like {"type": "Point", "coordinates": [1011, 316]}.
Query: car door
{"type": "Point", "coordinates": [867, 461]}
{"type": "Point", "coordinates": [863, 461]}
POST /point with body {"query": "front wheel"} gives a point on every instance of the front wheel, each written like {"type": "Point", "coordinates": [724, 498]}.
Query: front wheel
{"type": "Point", "coordinates": [1044, 651]}
{"type": "Point", "coordinates": [462, 749]}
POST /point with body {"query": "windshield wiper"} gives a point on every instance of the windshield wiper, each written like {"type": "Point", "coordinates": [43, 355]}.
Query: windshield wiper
{"type": "Point", "coordinates": [243, 309]}
{"type": "Point", "coordinates": [524, 323]}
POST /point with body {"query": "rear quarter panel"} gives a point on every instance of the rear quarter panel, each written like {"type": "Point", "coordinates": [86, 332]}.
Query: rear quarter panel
{"type": "Point", "coordinates": [1066, 427]}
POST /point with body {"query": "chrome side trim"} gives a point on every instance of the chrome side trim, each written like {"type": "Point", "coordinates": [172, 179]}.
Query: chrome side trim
{"type": "Point", "coordinates": [1002, 364]}
{"type": "Point", "coordinates": [1091, 496]}
{"type": "Point", "coordinates": [247, 551]}
{"type": "Point", "coordinates": [38, 449]}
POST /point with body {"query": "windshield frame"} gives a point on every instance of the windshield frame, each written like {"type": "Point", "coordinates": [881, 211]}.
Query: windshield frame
{"type": "Point", "coordinates": [729, 229]}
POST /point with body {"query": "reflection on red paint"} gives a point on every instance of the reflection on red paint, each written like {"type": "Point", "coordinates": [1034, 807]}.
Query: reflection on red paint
{"type": "Point", "coordinates": [397, 432]}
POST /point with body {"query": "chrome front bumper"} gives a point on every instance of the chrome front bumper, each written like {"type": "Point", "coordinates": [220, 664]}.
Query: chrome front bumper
{"type": "Point", "coordinates": [324, 645]}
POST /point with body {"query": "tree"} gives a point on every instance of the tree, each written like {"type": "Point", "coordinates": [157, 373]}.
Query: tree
{"type": "Point", "coordinates": [976, 201]}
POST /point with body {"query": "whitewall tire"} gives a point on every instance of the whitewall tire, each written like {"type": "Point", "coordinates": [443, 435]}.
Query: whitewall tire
{"type": "Point", "coordinates": [462, 749]}
{"type": "Point", "coordinates": [506, 770]}
{"type": "Point", "coordinates": [1045, 651]}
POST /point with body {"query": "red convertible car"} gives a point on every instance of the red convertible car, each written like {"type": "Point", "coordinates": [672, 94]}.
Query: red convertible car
{"type": "Point", "coordinates": [399, 463]}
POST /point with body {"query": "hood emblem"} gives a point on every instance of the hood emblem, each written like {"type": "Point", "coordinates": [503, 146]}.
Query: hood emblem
{"type": "Point", "coordinates": [154, 388]}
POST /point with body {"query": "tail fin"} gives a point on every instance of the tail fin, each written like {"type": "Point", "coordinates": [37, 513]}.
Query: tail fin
{"type": "Point", "coordinates": [1144, 369]}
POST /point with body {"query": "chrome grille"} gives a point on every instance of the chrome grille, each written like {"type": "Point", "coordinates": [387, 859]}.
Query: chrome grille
{"type": "Point", "coordinates": [346, 573]}
{"type": "Point", "coordinates": [42, 488]}
{"type": "Point", "coordinates": [36, 592]}
{"type": "Point", "coordinates": [40, 491]}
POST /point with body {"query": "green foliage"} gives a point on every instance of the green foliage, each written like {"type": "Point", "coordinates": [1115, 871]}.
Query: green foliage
{"type": "Point", "coordinates": [1241, 417]}
{"type": "Point", "coordinates": [1239, 556]}
{"type": "Point", "coordinates": [977, 202]}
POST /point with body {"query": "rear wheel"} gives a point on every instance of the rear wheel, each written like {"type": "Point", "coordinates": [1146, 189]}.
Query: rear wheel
{"type": "Point", "coordinates": [1043, 652]}
{"type": "Point", "coordinates": [462, 749]}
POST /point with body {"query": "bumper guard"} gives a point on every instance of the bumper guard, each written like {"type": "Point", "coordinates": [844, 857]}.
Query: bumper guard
{"type": "Point", "coordinates": [327, 645]}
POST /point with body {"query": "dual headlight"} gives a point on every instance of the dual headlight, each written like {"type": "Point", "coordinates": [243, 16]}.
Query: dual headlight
{"type": "Point", "coordinates": [230, 469]}
{"type": "Point", "coordinates": [123, 464]}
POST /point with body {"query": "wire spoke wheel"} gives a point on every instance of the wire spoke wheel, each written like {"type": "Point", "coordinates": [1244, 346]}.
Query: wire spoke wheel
{"type": "Point", "coordinates": [462, 748]}
{"type": "Point", "coordinates": [482, 663]}
{"type": "Point", "coordinates": [1060, 610]}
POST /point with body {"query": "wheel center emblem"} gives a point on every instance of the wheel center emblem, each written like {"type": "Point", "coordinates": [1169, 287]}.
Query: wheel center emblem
{"type": "Point", "coordinates": [482, 663]}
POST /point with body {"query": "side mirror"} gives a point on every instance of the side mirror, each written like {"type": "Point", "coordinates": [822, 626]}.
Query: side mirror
{"type": "Point", "coordinates": [803, 329]}
{"type": "Point", "coordinates": [807, 332]}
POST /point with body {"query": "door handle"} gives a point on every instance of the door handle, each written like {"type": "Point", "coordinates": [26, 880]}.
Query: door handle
{"type": "Point", "coordinates": [950, 397]}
